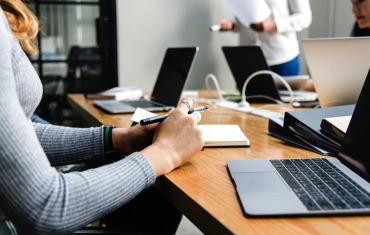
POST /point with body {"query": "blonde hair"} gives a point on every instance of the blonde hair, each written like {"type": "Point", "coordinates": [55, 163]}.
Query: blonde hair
{"type": "Point", "coordinates": [23, 23]}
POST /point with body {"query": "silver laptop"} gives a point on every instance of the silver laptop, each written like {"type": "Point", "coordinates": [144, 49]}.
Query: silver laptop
{"type": "Point", "coordinates": [246, 60]}
{"type": "Point", "coordinates": [311, 186]}
{"type": "Point", "coordinates": [338, 67]}
{"type": "Point", "coordinates": [172, 77]}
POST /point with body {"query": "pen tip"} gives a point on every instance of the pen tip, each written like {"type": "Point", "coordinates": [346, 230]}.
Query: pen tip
{"type": "Point", "coordinates": [206, 107]}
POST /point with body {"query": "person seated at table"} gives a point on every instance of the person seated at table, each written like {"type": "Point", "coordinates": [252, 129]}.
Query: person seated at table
{"type": "Point", "coordinates": [34, 197]}
{"type": "Point", "coordinates": [361, 11]}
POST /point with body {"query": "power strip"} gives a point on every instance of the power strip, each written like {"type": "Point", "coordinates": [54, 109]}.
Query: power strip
{"type": "Point", "coordinates": [234, 106]}
{"type": "Point", "coordinates": [259, 112]}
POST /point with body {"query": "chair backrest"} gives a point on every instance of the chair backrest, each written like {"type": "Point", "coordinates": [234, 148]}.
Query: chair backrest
{"type": "Point", "coordinates": [84, 70]}
{"type": "Point", "coordinates": [84, 63]}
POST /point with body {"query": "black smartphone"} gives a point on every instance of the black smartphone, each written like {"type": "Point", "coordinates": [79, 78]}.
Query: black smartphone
{"type": "Point", "coordinates": [305, 104]}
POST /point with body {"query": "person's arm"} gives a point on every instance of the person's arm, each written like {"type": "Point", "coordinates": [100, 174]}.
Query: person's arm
{"type": "Point", "coordinates": [227, 25]}
{"type": "Point", "coordinates": [66, 145]}
{"type": "Point", "coordinates": [300, 18]}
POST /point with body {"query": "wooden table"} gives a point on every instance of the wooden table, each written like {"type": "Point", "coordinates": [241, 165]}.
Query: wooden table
{"type": "Point", "coordinates": [202, 190]}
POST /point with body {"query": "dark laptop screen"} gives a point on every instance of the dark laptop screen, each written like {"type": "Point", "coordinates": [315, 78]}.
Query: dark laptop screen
{"type": "Point", "coordinates": [355, 149]}
{"type": "Point", "coordinates": [173, 74]}
{"type": "Point", "coordinates": [243, 62]}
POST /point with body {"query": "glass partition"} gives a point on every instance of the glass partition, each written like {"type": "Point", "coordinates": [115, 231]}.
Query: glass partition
{"type": "Point", "coordinates": [74, 37]}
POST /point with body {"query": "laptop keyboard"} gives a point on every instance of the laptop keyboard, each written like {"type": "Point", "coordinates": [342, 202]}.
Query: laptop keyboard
{"type": "Point", "coordinates": [322, 186]}
{"type": "Point", "coordinates": [141, 104]}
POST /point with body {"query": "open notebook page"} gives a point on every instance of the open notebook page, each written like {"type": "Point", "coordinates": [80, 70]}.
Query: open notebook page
{"type": "Point", "coordinates": [223, 135]}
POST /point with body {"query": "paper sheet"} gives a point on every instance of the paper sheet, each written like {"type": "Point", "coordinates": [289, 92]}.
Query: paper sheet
{"type": "Point", "coordinates": [141, 114]}
{"type": "Point", "coordinates": [249, 11]}
{"type": "Point", "coordinates": [341, 123]}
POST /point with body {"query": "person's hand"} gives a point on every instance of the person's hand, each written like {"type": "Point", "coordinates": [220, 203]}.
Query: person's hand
{"type": "Point", "coordinates": [176, 141]}
{"type": "Point", "coordinates": [264, 26]}
{"type": "Point", "coordinates": [128, 140]}
{"type": "Point", "coordinates": [226, 25]}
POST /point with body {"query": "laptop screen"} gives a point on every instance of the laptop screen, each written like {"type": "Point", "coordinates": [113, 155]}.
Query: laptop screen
{"type": "Point", "coordinates": [355, 149]}
{"type": "Point", "coordinates": [173, 74]}
{"type": "Point", "coordinates": [243, 62]}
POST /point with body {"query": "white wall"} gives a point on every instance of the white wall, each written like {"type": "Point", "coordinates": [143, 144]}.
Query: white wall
{"type": "Point", "coordinates": [147, 28]}
{"type": "Point", "coordinates": [331, 18]}
{"type": "Point", "coordinates": [343, 18]}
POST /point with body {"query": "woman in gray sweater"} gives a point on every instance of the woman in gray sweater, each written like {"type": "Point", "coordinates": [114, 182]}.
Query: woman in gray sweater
{"type": "Point", "coordinates": [33, 195]}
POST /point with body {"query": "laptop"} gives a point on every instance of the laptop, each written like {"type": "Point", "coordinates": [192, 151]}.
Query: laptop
{"type": "Point", "coordinates": [311, 186]}
{"type": "Point", "coordinates": [338, 67]}
{"type": "Point", "coordinates": [246, 60]}
{"type": "Point", "coordinates": [171, 80]}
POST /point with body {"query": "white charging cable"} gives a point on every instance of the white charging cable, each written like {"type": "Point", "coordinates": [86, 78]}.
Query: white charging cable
{"type": "Point", "coordinates": [219, 99]}
{"type": "Point", "coordinates": [243, 103]}
{"type": "Point", "coordinates": [341, 102]}
{"type": "Point", "coordinates": [216, 84]}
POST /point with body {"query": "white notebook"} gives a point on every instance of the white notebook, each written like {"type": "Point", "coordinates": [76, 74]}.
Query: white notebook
{"type": "Point", "coordinates": [213, 135]}
{"type": "Point", "coordinates": [223, 136]}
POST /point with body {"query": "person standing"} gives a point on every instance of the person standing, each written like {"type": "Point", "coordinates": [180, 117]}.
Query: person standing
{"type": "Point", "coordinates": [277, 34]}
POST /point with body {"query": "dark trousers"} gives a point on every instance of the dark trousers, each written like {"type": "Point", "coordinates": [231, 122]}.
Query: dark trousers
{"type": "Point", "coordinates": [150, 213]}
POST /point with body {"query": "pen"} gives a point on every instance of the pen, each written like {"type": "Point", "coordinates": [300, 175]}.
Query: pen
{"type": "Point", "coordinates": [161, 118]}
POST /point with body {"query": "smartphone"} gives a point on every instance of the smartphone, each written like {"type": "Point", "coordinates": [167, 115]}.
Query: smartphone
{"type": "Point", "coordinates": [305, 105]}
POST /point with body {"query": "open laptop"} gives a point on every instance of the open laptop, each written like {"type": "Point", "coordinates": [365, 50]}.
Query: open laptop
{"type": "Point", "coordinates": [316, 185]}
{"type": "Point", "coordinates": [246, 60]}
{"type": "Point", "coordinates": [172, 77]}
{"type": "Point", "coordinates": [338, 67]}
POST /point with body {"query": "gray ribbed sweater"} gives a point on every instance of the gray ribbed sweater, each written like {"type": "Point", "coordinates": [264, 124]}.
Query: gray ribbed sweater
{"type": "Point", "coordinates": [33, 195]}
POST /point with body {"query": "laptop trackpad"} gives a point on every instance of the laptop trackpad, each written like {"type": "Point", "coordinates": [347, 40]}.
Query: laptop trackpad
{"type": "Point", "coordinates": [260, 182]}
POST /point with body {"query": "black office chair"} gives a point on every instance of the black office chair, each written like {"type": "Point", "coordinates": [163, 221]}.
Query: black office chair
{"type": "Point", "coordinates": [84, 70]}
{"type": "Point", "coordinates": [103, 230]}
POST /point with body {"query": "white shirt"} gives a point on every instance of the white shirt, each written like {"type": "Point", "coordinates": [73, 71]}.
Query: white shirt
{"type": "Point", "coordinates": [282, 45]}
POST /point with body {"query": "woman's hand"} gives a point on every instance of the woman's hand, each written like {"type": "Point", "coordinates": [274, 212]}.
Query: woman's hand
{"type": "Point", "coordinates": [226, 25]}
{"type": "Point", "coordinates": [176, 141]}
{"type": "Point", "coordinates": [128, 140]}
{"type": "Point", "coordinates": [264, 26]}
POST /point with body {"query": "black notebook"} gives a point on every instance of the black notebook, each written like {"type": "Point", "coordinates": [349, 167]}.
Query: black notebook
{"type": "Point", "coordinates": [306, 123]}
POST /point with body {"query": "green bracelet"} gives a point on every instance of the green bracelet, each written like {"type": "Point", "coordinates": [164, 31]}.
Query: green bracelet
{"type": "Point", "coordinates": [106, 139]}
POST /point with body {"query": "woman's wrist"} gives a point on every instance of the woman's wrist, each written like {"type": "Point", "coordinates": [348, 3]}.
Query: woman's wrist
{"type": "Point", "coordinates": [118, 135]}
{"type": "Point", "coordinates": [159, 159]}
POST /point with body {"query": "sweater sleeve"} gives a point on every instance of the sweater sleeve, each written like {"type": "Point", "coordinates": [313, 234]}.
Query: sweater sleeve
{"type": "Point", "coordinates": [66, 145]}
{"type": "Point", "coordinates": [299, 19]}
{"type": "Point", "coordinates": [33, 195]}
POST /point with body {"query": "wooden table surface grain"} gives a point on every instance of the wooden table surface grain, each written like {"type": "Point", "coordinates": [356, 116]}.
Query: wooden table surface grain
{"type": "Point", "coordinates": [202, 188]}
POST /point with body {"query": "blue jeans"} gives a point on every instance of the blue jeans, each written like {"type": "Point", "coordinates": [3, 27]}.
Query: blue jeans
{"type": "Point", "coordinates": [290, 68]}
{"type": "Point", "coordinates": [37, 119]}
